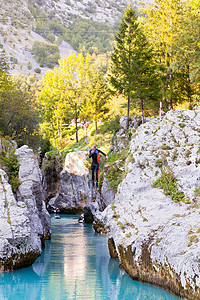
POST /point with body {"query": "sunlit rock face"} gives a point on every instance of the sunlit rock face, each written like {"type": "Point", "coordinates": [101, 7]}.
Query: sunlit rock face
{"type": "Point", "coordinates": [157, 239]}
{"type": "Point", "coordinates": [74, 191]}
{"type": "Point", "coordinates": [24, 220]}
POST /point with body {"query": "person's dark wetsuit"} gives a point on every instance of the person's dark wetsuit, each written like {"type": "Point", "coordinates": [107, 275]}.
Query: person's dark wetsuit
{"type": "Point", "coordinates": [95, 164]}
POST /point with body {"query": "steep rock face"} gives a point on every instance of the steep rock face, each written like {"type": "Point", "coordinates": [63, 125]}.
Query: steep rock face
{"type": "Point", "coordinates": [120, 142]}
{"type": "Point", "coordinates": [51, 169]}
{"type": "Point", "coordinates": [157, 239]}
{"type": "Point", "coordinates": [74, 191]}
{"type": "Point", "coordinates": [24, 220]}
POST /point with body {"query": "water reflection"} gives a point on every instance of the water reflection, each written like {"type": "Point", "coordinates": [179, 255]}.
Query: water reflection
{"type": "Point", "coordinates": [75, 265]}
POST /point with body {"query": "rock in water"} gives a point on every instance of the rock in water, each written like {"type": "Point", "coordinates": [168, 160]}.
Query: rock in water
{"type": "Point", "coordinates": [24, 220]}
{"type": "Point", "coordinates": [74, 191]}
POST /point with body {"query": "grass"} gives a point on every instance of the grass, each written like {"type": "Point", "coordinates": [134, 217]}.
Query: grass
{"type": "Point", "coordinates": [193, 239]}
{"type": "Point", "coordinates": [102, 140]}
{"type": "Point", "coordinates": [158, 241]}
{"type": "Point", "coordinates": [197, 192]}
{"type": "Point", "coordinates": [113, 169]}
{"type": "Point", "coordinates": [168, 183]}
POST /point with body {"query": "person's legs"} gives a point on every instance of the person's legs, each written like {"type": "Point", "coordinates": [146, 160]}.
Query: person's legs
{"type": "Point", "coordinates": [97, 174]}
{"type": "Point", "coordinates": [92, 170]}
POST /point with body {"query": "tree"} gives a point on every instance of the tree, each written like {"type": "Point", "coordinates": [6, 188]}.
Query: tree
{"type": "Point", "coordinates": [95, 106]}
{"type": "Point", "coordinates": [132, 72]}
{"type": "Point", "coordinates": [62, 93]}
{"type": "Point", "coordinates": [54, 106]}
{"type": "Point", "coordinates": [187, 50]}
{"type": "Point", "coordinates": [76, 71]}
{"type": "Point", "coordinates": [162, 25]}
{"type": "Point", "coordinates": [18, 111]}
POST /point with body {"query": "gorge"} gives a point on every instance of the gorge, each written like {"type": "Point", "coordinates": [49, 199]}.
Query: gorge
{"type": "Point", "coordinates": [152, 218]}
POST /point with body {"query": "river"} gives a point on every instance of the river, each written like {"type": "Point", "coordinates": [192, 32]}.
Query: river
{"type": "Point", "coordinates": [75, 265]}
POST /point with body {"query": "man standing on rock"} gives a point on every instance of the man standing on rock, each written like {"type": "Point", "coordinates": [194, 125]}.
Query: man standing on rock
{"type": "Point", "coordinates": [94, 153]}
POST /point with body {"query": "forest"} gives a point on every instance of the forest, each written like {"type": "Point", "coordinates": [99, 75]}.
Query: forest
{"type": "Point", "coordinates": [153, 61]}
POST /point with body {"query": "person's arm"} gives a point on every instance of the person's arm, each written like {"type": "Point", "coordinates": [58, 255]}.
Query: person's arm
{"type": "Point", "coordinates": [103, 154]}
{"type": "Point", "coordinates": [90, 153]}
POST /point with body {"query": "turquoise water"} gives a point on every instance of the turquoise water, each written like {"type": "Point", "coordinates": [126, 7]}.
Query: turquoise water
{"type": "Point", "coordinates": [75, 265]}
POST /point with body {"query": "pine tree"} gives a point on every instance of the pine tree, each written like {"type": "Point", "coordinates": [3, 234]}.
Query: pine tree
{"type": "Point", "coordinates": [132, 72]}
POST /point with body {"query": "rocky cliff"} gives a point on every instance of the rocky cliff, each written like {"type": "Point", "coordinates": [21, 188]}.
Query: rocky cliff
{"type": "Point", "coordinates": [153, 223]}
{"type": "Point", "coordinates": [24, 220]}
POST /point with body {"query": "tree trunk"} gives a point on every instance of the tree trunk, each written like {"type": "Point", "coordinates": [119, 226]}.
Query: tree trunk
{"type": "Point", "coordinates": [0, 150]}
{"type": "Point", "coordinates": [189, 90]}
{"type": "Point", "coordinates": [58, 128]}
{"type": "Point", "coordinates": [76, 118]}
{"type": "Point", "coordinates": [170, 76]}
{"type": "Point", "coordinates": [60, 131]}
{"type": "Point", "coordinates": [128, 106]}
{"type": "Point", "coordinates": [142, 109]}
{"type": "Point", "coordinates": [96, 127]}
{"type": "Point", "coordinates": [129, 65]}
{"type": "Point", "coordinates": [76, 129]}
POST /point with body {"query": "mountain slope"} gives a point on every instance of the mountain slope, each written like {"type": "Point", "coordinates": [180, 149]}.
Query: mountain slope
{"type": "Point", "coordinates": [84, 24]}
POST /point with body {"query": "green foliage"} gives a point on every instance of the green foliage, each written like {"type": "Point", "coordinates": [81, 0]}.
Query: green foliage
{"type": "Point", "coordinates": [193, 239]}
{"type": "Point", "coordinates": [172, 27]}
{"type": "Point", "coordinates": [168, 183]}
{"type": "Point", "coordinates": [11, 166]}
{"type": "Point", "coordinates": [182, 125]}
{"type": "Point", "coordinates": [62, 94]}
{"type": "Point", "coordinates": [89, 36]}
{"type": "Point", "coordinates": [175, 154]}
{"type": "Point", "coordinates": [114, 169]}
{"type": "Point", "coordinates": [95, 107]}
{"type": "Point", "coordinates": [14, 60]}
{"type": "Point", "coordinates": [197, 192]}
{"type": "Point", "coordinates": [19, 114]}
{"type": "Point", "coordinates": [132, 70]}
{"type": "Point", "coordinates": [37, 70]}
{"type": "Point", "coordinates": [165, 147]}
{"type": "Point", "coordinates": [159, 163]}
{"type": "Point", "coordinates": [158, 240]}
{"type": "Point", "coordinates": [121, 225]}
{"type": "Point", "coordinates": [128, 235]}
{"type": "Point", "coordinates": [46, 54]}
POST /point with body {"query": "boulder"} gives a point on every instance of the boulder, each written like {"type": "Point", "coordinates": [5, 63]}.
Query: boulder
{"type": "Point", "coordinates": [24, 220]}
{"type": "Point", "coordinates": [74, 191]}
{"type": "Point", "coordinates": [89, 212]}
{"type": "Point", "coordinates": [107, 195]}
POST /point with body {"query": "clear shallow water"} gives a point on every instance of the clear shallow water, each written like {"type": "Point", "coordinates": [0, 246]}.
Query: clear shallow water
{"type": "Point", "coordinates": [75, 265]}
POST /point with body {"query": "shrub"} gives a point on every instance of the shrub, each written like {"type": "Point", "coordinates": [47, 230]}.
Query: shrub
{"type": "Point", "coordinates": [168, 183]}
{"type": "Point", "coordinates": [197, 192]}
{"type": "Point", "coordinates": [192, 239]}
{"type": "Point", "coordinates": [37, 70]}
{"type": "Point", "coordinates": [46, 54]}
{"type": "Point", "coordinates": [11, 166]}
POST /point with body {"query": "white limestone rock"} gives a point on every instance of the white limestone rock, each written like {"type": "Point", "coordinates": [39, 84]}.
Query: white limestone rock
{"type": "Point", "coordinates": [157, 239]}
{"type": "Point", "coordinates": [24, 220]}
{"type": "Point", "coordinates": [74, 191]}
